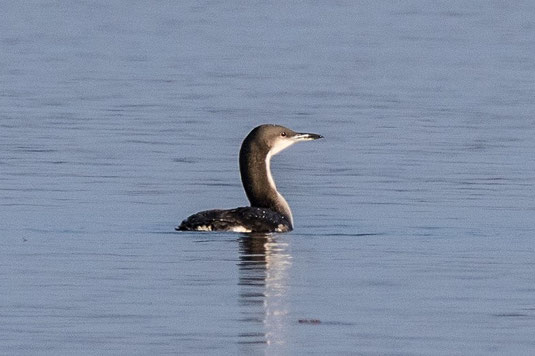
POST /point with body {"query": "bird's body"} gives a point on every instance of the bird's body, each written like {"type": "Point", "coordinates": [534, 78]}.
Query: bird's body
{"type": "Point", "coordinates": [244, 219]}
{"type": "Point", "coordinates": [269, 211]}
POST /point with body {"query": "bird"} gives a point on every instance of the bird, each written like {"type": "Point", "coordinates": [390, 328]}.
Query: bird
{"type": "Point", "coordinates": [268, 211]}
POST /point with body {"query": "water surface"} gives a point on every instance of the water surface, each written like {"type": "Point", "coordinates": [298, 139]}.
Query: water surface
{"type": "Point", "coordinates": [414, 216]}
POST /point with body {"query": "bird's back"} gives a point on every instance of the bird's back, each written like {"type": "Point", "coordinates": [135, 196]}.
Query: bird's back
{"type": "Point", "coordinates": [244, 219]}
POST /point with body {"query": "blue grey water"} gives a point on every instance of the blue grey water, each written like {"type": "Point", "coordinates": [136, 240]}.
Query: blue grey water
{"type": "Point", "coordinates": [415, 216]}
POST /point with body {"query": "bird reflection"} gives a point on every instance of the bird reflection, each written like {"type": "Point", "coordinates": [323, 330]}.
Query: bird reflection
{"type": "Point", "coordinates": [263, 279]}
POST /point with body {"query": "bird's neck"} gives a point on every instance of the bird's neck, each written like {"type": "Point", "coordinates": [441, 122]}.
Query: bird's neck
{"type": "Point", "coordinates": [258, 183]}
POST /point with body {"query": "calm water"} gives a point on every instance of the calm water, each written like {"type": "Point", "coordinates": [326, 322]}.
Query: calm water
{"type": "Point", "coordinates": [415, 216]}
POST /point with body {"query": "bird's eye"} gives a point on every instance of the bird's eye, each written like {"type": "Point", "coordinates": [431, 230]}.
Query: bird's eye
{"type": "Point", "coordinates": [283, 134]}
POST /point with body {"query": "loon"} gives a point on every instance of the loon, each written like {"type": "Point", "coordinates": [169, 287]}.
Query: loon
{"type": "Point", "coordinates": [269, 211]}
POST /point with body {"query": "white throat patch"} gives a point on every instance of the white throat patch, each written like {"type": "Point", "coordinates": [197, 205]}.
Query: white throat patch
{"type": "Point", "coordinates": [279, 145]}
